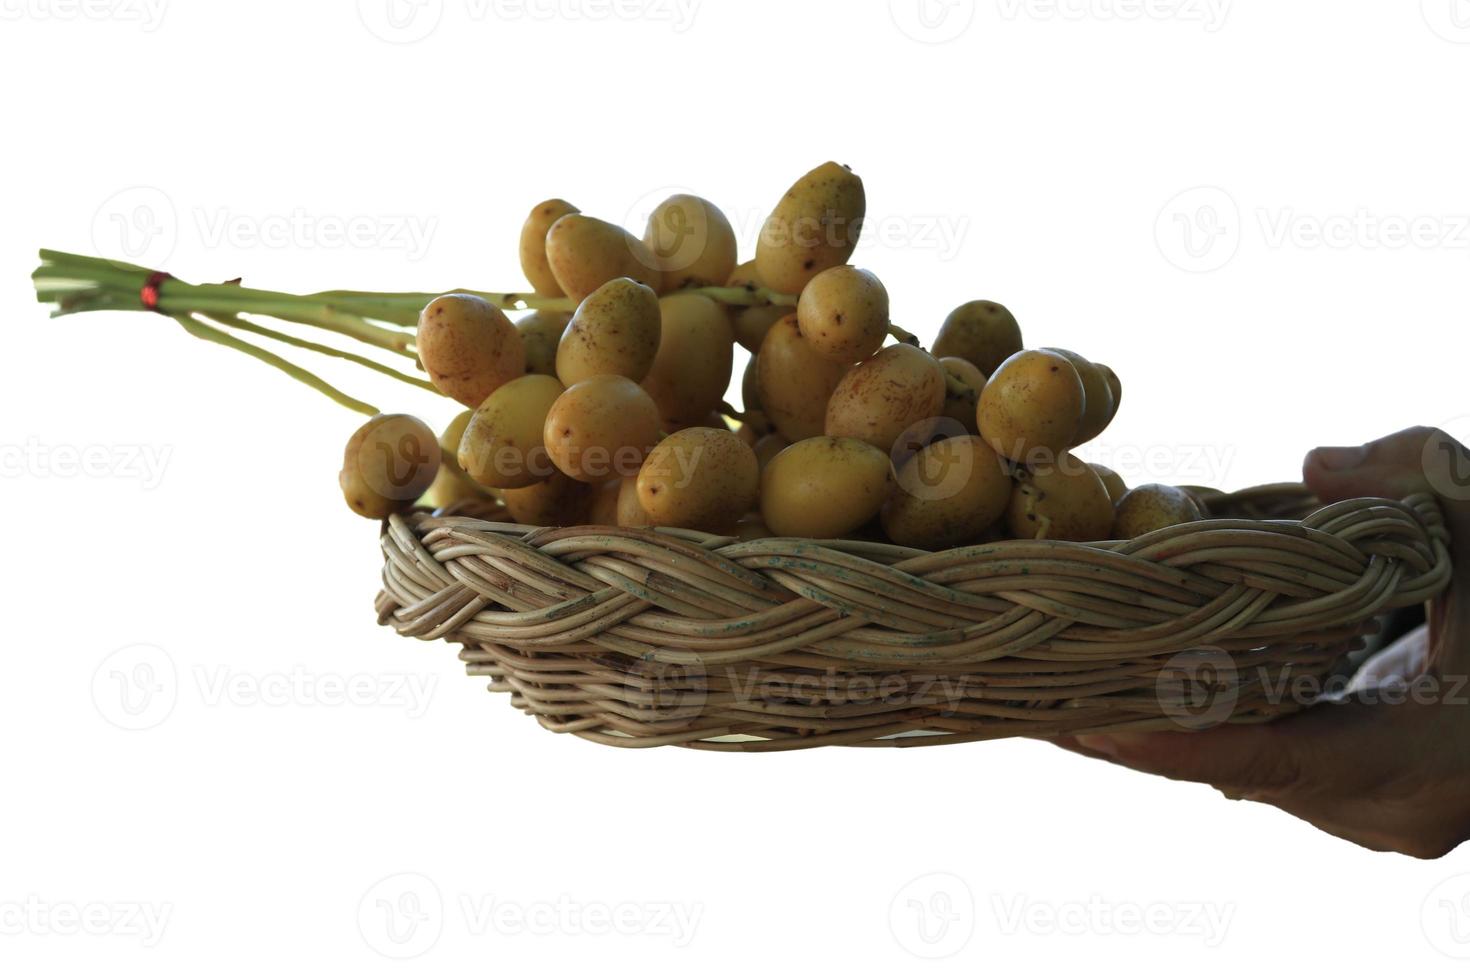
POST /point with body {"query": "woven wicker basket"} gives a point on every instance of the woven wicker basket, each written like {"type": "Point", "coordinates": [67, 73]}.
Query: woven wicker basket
{"type": "Point", "coordinates": [641, 638]}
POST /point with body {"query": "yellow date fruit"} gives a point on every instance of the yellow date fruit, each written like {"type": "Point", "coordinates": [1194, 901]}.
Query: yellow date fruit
{"type": "Point", "coordinates": [982, 332]}
{"type": "Point", "coordinates": [824, 487]}
{"type": "Point", "coordinates": [615, 330]}
{"type": "Point", "coordinates": [586, 252]}
{"type": "Point", "coordinates": [533, 245]}
{"type": "Point", "coordinates": [388, 464]}
{"type": "Point", "coordinates": [843, 314]}
{"type": "Point", "coordinates": [1063, 501]}
{"type": "Point", "coordinates": [814, 227]}
{"type": "Point", "coordinates": [1031, 409]}
{"type": "Point", "coordinates": [502, 446]}
{"type": "Point", "coordinates": [556, 502]}
{"type": "Point", "coordinates": [795, 382]}
{"type": "Point", "coordinates": [452, 485]}
{"type": "Point", "coordinates": [947, 494]}
{"type": "Point", "coordinates": [468, 347]}
{"type": "Point", "coordinates": [601, 428]}
{"type": "Point", "coordinates": [751, 323]}
{"type": "Point", "coordinates": [1152, 507]}
{"type": "Point", "coordinates": [962, 393]}
{"type": "Point", "coordinates": [696, 355]}
{"type": "Point", "coordinates": [541, 332]}
{"type": "Point", "coordinates": [886, 395]}
{"type": "Point", "coordinates": [702, 479]}
{"type": "Point", "coordinates": [691, 241]}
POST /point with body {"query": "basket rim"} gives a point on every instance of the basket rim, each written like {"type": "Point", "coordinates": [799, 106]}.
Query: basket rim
{"type": "Point", "coordinates": [1323, 543]}
{"type": "Point", "coordinates": [587, 627]}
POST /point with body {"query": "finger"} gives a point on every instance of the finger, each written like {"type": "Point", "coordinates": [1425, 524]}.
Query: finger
{"type": "Point", "coordinates": [1412, 461]}
{"type": "Point", "coordinates": [1400, 464]}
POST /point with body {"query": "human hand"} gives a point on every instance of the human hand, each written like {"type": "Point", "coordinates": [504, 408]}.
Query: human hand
{"type": "Point", "coordinates": [1391, 773]}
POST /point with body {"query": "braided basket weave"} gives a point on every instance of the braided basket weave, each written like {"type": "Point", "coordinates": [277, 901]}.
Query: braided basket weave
{"type": "Point", "coordinates": [641, 638]}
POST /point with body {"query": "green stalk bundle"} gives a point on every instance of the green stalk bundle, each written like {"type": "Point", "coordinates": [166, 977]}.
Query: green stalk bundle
{"type": "Point", "coordinates": [221, 312]}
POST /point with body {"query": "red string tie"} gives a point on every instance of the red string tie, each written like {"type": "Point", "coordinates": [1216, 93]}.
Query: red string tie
{"type": "Point", "coordinates": [149, 293]}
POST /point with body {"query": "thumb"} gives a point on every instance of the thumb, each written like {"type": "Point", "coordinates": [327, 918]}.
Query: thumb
{"type": "Point", "coordinates": [1412, 461]}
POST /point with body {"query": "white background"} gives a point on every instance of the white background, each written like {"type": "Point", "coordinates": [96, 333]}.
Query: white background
{"type": "Point", "coordinates": [1024, 152]}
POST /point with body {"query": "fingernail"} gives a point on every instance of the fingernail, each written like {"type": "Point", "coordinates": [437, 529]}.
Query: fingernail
{"type": "Point", "coordinates": [1340, 457]}
{"type": "Point", "coordinates": [1101, 744]}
